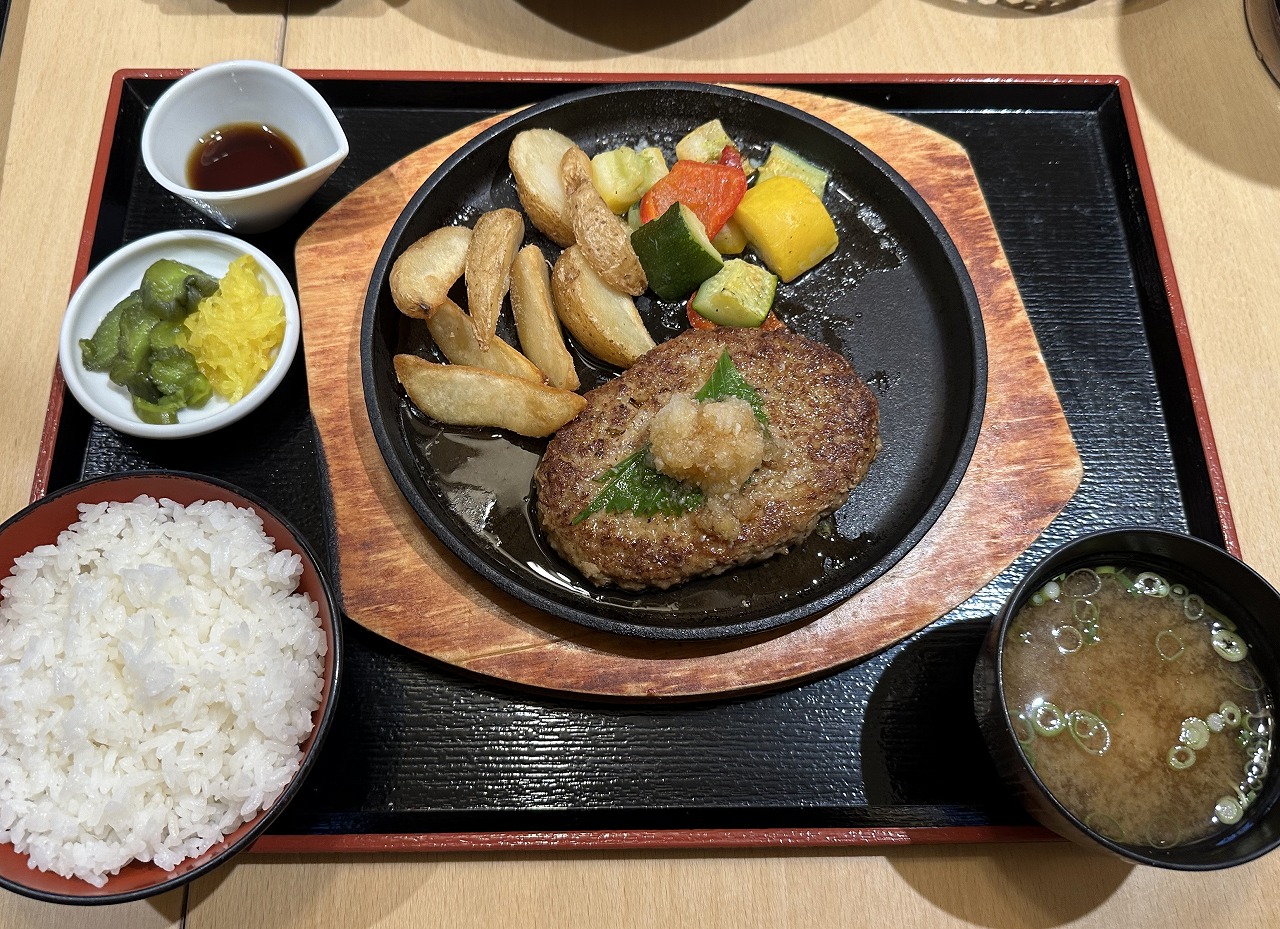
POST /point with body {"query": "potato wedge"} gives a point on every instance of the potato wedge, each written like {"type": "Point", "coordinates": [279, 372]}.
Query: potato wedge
{"type": "Point", "coordinates": [452, 331]}
{"type": "Point", "coordinates": [461, 395]}
{"type": "Point", "coordinates": [423, 274]}
{"type": "Point", "coordinates": [605, 240]}
{"type": "Point", "coordinates": [494, 242]}
{"type": "Point", "coordinates": [603, 319]}
{"type": "Point", "coordinates": [575, 170]}
{"type": "Point", "coordinates": [534, 158]}
{"type": "Point", "coordinates": [536, 319]}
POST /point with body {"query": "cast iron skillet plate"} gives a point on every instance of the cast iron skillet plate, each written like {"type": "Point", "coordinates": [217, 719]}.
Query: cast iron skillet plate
{"type": "Point", "coordinates": [895, 300]}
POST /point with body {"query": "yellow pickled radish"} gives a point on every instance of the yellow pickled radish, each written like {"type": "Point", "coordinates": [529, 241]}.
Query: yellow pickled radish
{"type": "Point", "coordinates": [787, 225]}
{"type": "Point", "coordinates": [236, 333]}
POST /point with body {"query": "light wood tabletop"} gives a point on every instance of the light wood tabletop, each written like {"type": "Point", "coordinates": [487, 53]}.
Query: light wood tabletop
{"type": "Point", "coordinates": [1210, 115]}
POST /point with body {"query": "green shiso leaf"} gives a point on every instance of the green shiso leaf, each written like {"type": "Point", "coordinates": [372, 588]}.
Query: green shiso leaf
{"type": "Point", "coordinates": [726, 381]}
{"type": "Point", "coordinates": [634, 485]}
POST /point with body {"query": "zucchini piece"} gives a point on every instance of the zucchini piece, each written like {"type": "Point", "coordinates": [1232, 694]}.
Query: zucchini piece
{"type": "Point", "coordinates": [655, 167]}
{"type": "Point", "coordinates": [741, 295]}
{"type": "Point", "coordinates": [704, 143]}
{"type": "Point", "coordinates": [676, 254]}
{"type": "Point", "coordinates": [633, 217]}
{"type": "Point", "coordinates": [618, 176]}
{"type": "Point", "coordinates": [783, 162]}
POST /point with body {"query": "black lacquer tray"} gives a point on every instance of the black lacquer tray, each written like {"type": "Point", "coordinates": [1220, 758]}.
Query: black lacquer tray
{"type": "Point", "coordinates": [885, 751]}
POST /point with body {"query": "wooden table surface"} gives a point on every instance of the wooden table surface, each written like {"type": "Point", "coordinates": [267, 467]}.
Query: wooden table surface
{"type": "Point", "coordinates": [1211, 119]}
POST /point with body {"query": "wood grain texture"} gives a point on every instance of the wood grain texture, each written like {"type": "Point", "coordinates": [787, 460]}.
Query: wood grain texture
{"type": "Point", "coordinates": [399, 581]}
{"type": "Point", "coordinates": [1037, 886]}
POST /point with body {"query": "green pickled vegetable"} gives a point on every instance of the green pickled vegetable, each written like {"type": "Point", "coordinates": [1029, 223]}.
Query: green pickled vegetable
{"type": "Point", "coordinates": [165, 334]}
{"type": "Point", "coordinates": [173, 383]}
{"type": "Point", "coordinates": [174, 373]}
{"type": "Point", "coordinates": [171, 289]}
{"type": "Point", "coordinates": [133, 344]}
{"type": "Point", "coordinates": [140, 386]}
{"type": "Point", "coordinates": [100, 352]}
{"type": "Point", "coordinates": [138, 343]}
{"type": "Point", "coordinates": [162, 412]}
{"type": "Point", "coordinates": [197, 390]}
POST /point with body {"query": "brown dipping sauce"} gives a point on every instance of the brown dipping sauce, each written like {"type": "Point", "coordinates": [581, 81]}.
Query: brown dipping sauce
{"type": "Point", "coordinates": [241, 155]}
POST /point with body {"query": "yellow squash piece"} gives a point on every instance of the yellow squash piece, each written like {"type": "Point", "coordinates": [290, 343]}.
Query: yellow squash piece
{"type": "Point", "coordinates": [618, 176]}
{"type": "Point", "coordinates": [787, 225]}
{"type": "Point", "coordinates": [730, 240]}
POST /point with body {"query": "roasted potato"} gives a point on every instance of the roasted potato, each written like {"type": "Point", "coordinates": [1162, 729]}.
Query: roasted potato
{"type": "Point", "coordinates": [536, 321]}
{"type": "Point", "coordinates": [534, 158]}
{"type": "Point", "coordinates": [575, 170]}
{"type": "Point", "coordinates": [494, 242]}
{"type": "Point", "coordinates": [423, 274]}
{"type": "Point", "coordinates": [604, 239]}
{"type": "Point", "coordinates": [452, 331]}
{"type": "Point", "coordinates": [603, 319]}
{"type": "Point", "coordinates": [461, 395]}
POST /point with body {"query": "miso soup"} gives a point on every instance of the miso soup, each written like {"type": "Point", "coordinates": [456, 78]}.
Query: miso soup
{"type": "Point", "coordinates": [1138, 706]}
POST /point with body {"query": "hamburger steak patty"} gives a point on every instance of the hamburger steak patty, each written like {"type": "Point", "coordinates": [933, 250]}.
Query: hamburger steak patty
{"type": "Point", "coordinates": [822, 435]}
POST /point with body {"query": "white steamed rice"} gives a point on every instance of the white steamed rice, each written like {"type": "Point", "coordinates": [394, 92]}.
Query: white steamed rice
{"type": "Point", "coordinates": [157, 674]}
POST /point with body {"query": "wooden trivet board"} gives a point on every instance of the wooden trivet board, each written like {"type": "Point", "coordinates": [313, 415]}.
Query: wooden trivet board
{"type": "Point", "coordinates": [398, 580]}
